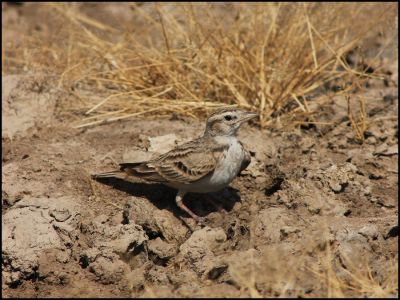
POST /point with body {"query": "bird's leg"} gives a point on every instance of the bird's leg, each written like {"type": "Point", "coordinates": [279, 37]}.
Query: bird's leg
{"type": "Point", "coordinates": [215, 203]}
{"type": "Point", "coordinates": [178, 199]}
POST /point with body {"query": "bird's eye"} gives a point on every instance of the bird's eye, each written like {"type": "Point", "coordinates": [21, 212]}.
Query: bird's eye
{"type": "Point", "coordinates": [229, 117]}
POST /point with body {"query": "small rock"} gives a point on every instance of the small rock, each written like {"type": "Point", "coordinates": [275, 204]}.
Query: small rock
{"type": "Point", "coordinates": [88, 256]}
{"type": "Point", "coordinates": [120, 239]}
{"type": "Point", "coordinates": [369, 231]}
{"type": "Point", "coordinates": [386, 201]}
{"type": "Point", "coordinates": [349, 235]}
{"type": "Point", "coordinates": [170, 227]}
{"type": "Point", "coordinates": [10, 200]}
{"type": "Point", "coordinates": [157, 275]}
{"type": "Point", "coordinates": [161, 249]}
{"type": "Point", "coordinates": [392, 150]}
{"type": "Point", "coordinates": [60, 215]}
{"type": "Point", "coordinates": [385, 150]}
{"type": "Point", "coordinates": [366, 188]}
{"type": "Point", "coordinates": [136, 155]}
{"type": "Point", "coordinates": [287, 230]}
{"type": "Point", "coordinates": [159, 222]}
{"type": "Point", "coordinates": [373, 131]}
{"type": "Point", "coordinates": [217, 270]}
{"type": "Point", "coordinates": [269, 223]}
{"type": "Point", "coordinates": [335, 186]}
{"type": "Point", "coordinates": [199, 250]}
{"type": "Point", "coordinates": [371, 140]}
{"type": "Point", "coordinates": [29, 230]}
{"type": "Point", "coordinates": [205, 238]}
{"type": "Point", "coordinates": [119, 219]}
{"type": "Point", "coordinates": [162, 144]}
{"type": "Point", "coordinates": [108, 268]}
{"type": "Point", "coordinates": [337, 177]}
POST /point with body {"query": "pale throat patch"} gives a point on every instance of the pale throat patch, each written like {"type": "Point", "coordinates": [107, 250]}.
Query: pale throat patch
{"type": "Point", "coordinates": [226, 140]}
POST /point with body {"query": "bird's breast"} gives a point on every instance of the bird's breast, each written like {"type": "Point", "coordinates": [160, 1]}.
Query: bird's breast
{"type": "Point", "coordinates": [229, 165]}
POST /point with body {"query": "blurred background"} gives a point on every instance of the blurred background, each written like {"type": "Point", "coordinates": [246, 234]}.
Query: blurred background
{"type": "Point", "coordinates": [279, 59]}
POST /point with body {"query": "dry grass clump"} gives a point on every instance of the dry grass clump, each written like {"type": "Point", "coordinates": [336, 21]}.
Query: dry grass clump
{"type": "Point", "coordinates": [319, 269]}
{"type": "Point", "coordinates": [189, 58]}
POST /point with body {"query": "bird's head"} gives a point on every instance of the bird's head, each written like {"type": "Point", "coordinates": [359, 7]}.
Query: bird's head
{"type": "Point", "coordinates": [227, 121]}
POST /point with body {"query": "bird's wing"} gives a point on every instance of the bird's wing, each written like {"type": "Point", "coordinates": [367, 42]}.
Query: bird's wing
{"type": "Point", "coordinates": [184, 164]}
{"type": "Point", "coordinates": [144, 170]}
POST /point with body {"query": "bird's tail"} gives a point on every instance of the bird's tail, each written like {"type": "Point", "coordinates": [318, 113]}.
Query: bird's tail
{"type": "Point", "coordinates": [121, 173]}
{"type": "Point", "coordinates": [112, 174]}
{"type": "Point", "coordinates": [142, 170]}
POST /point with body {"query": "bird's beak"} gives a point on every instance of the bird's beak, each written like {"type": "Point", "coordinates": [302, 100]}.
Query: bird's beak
{"type": "Point", "coordinates": [247, 116]}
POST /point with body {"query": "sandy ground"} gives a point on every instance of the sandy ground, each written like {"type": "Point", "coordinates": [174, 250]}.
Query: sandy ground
{"type": "Point", "coordinates": [311, 200]}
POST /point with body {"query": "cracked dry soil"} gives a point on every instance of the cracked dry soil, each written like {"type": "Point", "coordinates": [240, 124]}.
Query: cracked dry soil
{"type": "Point", "coordinates": [305, 191]}
{"type": "Point", "coordinates": [315, 206]}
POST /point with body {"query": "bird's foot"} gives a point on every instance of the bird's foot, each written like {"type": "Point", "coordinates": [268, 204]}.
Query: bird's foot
{"type": "Point", "coordinates": [198, 219]}
{"type": "Point", "coordinates": [215, 203]}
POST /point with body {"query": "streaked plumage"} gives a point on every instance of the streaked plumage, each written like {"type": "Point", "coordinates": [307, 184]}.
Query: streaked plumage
{"type": "Point", "coordinates": [206, 164]}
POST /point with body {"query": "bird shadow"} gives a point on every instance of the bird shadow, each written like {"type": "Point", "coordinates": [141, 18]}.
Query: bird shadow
{"type": "Point", "coordinates": [163, 197]}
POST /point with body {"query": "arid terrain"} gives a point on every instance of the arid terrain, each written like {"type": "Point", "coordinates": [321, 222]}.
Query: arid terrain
{"type": "Point", "coordinates": [314, 215]}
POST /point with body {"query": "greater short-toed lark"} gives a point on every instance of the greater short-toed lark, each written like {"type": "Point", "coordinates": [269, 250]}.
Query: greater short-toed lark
{"type": "Point", "coordinates": [204, 165]}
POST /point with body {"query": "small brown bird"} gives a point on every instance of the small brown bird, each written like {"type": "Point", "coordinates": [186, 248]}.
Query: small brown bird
{"type": "Point", "coordinates": [204, 165]}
